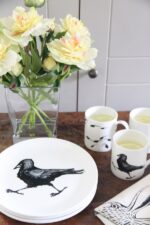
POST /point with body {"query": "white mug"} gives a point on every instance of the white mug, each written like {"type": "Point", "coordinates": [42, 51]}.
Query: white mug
{"type": "Point", "coordinates": [100, 125]}
{"type": "Point", "coordinates": [139, 119]}
{"type": "Point", "coordinates": [129, 154]}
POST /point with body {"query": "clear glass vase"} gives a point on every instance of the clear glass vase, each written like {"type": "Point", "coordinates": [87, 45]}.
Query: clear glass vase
{"type": "Point", "coordinates": [33, 112]}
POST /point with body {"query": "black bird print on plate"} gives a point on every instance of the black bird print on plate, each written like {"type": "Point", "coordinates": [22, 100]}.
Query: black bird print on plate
{"type": "Point", "coordinates": [120, 214]}
{"type": "Point", "coordinates": [125, 167]}
{"type": "Point", "coordinates": [34, 176]}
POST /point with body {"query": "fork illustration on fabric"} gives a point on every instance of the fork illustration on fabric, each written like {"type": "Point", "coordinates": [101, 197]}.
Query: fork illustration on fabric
{"type": "Point", "coordinates": [120, 214]}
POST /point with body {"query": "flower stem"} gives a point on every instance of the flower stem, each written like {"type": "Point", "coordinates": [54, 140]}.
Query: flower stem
{"type": "Point", "coordinates": [23, 122]}
{"type": "Point", "coordinates": [33, 99]}
{"type": "Point", "coordinates": [49, 133]}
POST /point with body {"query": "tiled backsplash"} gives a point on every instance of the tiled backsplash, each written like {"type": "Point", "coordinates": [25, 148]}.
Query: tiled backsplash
{"type": "Point", "coordinates": [128, 83]}
{"type": "Point", "coordinates": [121, 32]}
{"type": "Point", "coordinates": [130, 28]}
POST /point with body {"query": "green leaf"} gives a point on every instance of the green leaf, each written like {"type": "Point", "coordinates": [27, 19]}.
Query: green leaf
{"type": "Point", "coordinates": [74, 68]}
{"type": "Point", "coordinates": [44, 80]}
{"type": "Point", "coordinates": [11, 82]}
{"type": "Point", "coordinates": [57, 83]}
{"type": "Point", "coordinates": [33, 76]}
{"type": "Point", "coordinates": [45, 52]}
{"type": "Point", "coordinates": [60, 35]}
{"type": "Point", "coordinates": [26, 60]}
{"type": "Point", "coordinates": [22, 80]}
{"type": "Point", "coordinates": [49, 36]}
{"type": "Point", "coordinates": [36, 61]}
{"type": "Point", "coordinates": [7, 78]}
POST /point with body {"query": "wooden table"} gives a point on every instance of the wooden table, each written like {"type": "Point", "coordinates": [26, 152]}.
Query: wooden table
{"type": "Point", "coordinates": [71, 127]}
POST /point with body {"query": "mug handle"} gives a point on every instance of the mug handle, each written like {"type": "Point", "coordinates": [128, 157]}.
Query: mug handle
{"type": "Point", "coordinates": [122, 122]}
{"type": "Point", "coordinates": [147, 164]}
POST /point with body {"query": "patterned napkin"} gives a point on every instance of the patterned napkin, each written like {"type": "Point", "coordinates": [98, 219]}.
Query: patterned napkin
{"type": "Point", "coordinates": [130, 207]}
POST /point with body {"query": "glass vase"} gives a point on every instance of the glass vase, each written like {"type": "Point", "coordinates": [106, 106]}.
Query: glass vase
{"type": "Point", "coordinates": [33, 112]}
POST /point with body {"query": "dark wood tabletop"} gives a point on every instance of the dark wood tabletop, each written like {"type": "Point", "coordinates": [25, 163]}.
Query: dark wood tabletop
{"type": "Point", "coordinates": [71, 128]}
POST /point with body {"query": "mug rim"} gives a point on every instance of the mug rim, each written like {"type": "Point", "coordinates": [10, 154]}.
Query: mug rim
{"type": "Point", "coordinates": [101, 107]}
{"type": "Point", "coordinates": [132, 117]}
{"type": "Point", "coordinates": [146, 145]}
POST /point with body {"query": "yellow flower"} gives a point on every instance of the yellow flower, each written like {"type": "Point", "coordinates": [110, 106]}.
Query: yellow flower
{"type": "Point", "coordinates": [73, 50]}
{"type": "Point", "coordinates": [51, 24]}
{"type": "Point", "coordinates": [25, 24]}
{"type": "Point", "coordinates": [3, 49]}
{"type": "Point", "coordinates": [8, 57]}
{"type": "Point", "coordinates": [49, 63]}
{"type": "Point", "coordinates": [23, 21]}
{"type": "Point", "coordinates": [73, 26]}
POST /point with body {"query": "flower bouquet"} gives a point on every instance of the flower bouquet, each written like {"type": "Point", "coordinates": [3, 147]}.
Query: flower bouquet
{"type": "Point", "coordinates": [36, 55]}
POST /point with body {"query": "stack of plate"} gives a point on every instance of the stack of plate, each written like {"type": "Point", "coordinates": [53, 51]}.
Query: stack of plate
{"type": "Point", "coordinates": [46, 180]}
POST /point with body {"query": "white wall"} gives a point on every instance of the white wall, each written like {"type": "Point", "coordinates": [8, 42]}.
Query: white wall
{"type": "Point", "coordinates": [96, 16]}
{"type": "Point", "coordinates": [121, 32]}
{"type": "Point", "coordinates": [128, 81]}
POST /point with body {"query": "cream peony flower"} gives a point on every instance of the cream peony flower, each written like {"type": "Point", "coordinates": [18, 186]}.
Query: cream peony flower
{"type": "Point", "coordinates": [49, 63]}
{"type": "Point", "coordinates": [23, 24]}
{"type": "Point", "coordinates": [41, 28]}
{"type": "Point", "coordinates": [17, 69]}
{"type": "Point", "coordinates": [73, 26]}
{"type": "Point", "coordinates": [73, 50]}
{"type": "Point", "coordinates": [24, 21]}
{"type": "Point", "coordinates": [8, 57]}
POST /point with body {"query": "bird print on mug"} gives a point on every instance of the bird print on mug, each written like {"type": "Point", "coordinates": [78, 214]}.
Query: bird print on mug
{"type": "Point", "coordinates": [121, 214]}
{"type": "Point", "coordinates": [125, 167]}
{"type": "Point", "coordinates": [34, 176]}
{"type": "Point", "coordinates": [104, 141]}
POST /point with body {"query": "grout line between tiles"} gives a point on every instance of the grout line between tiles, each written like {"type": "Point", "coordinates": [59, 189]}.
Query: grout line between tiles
{"type": "Point", "coordinates": [127, 84]}
{"type": "Point", "coordinates": [126, 57]}
{"type": "Point", "coordinates": [77, 88]}
{"type": "Point", "coordinates": [108, 50]}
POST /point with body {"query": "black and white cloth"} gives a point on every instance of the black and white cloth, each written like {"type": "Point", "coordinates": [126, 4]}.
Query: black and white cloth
{"type": "Point", "coordinates": [130, 207]}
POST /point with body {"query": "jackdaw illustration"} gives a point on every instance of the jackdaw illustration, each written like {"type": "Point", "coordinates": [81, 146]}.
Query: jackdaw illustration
{"type": "Point", "coordinates": [124, 166]}
{"type": "Point", "coordinates": [35, 177]}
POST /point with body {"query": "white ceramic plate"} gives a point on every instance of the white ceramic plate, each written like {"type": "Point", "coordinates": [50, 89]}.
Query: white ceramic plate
{"type": "Point", "coordinates": [51, 220]}
{"type": "Point", "coordinates": [46, 153]}
{"type": "Point", "coordinates": [86, 201]}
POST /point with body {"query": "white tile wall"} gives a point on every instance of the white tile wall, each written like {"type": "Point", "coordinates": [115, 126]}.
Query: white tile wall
{"type": "Point", "coordinates": [130, 28]}
{"type": "Point", "coordinates": [96, 16]}
{"type": "Point", "coordinates": [121, 32]}
{"type": "Point", "coordinates": [126, 97]}
{"type": "Point", "coordinates": [128, 70]}
{"type": "Point", "coordinates": [128, 77]}
{"type": "Point", "coordinates": [6, 6]}
{"type": "Point", "coordinates": [124, 79]}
